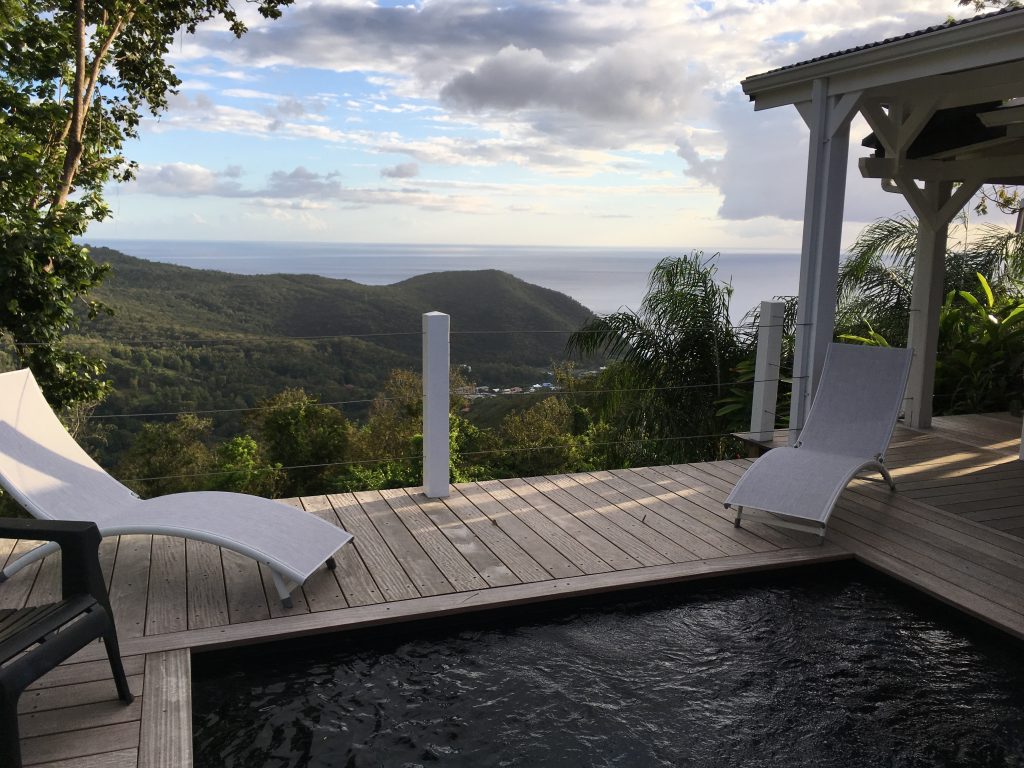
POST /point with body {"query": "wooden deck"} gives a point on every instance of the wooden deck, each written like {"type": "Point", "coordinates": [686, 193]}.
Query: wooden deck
{"type": "Point", "coordinates": [953, 531]}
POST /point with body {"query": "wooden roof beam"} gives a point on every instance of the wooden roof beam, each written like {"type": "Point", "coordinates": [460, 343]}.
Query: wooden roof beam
{"type": "Point", "coordinates": [1007, 169]}
{"type": "Point", "coordinates": [1003, 116]}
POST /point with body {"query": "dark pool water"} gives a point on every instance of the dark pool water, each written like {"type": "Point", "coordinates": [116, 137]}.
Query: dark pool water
{"type": "Point", "coordinates": [824, 668]}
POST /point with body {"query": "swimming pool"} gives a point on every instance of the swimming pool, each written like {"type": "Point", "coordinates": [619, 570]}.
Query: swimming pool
{"type": "Point", "coordinates": [834, 667]}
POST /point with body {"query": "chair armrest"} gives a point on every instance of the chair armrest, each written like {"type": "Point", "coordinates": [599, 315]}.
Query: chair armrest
{"type": "Point", "coordinates": [79, 543]}
{"type": "Point", "coordinates": [42, 530]}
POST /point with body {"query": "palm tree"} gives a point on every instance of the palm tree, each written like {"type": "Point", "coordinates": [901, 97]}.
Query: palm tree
{"type": "Point", "coordinates": [672, 359]}
{"type": "Point", "coordinates": [875, 279]}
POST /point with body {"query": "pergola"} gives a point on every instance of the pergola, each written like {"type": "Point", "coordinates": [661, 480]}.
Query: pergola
{"type": "Point", "coordinates": [946, 107]}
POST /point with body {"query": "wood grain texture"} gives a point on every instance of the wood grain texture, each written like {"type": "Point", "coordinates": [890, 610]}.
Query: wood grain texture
{"type": "Point", "coordinates": [390, 578]}
{"type": "Point", "coordinates": [207, 597]}
{"type": "Point", "coordinates": [165, 739]}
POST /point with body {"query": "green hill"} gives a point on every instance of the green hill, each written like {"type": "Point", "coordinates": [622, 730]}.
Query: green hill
{"type": "Point", "coordinates": [188, 339]}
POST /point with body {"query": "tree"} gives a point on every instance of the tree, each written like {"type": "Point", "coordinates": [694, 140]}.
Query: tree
{"type": "Point", "coordinates": [540, 439]}
{"type": "Point", "coordinates": [75, 81]}
{"type": "Point", "coordinates": [169, 458]}
{"type": "Point", "coordinates": [242, 468]}
{"type": "Point", "coordinates": [309, 438]}
{"type": "Point", "coordinates": [984, 5]}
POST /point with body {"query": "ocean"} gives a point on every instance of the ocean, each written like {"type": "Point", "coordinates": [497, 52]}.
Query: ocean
{"type": "Point", "coordinates": [602, 279]}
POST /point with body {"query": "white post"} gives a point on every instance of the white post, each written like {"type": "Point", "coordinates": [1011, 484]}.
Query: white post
{"type": "Point", "coordinates": [766, 370]}
{"type": "Point", "coordinates": [436, 429]}
{"type": "Point", "coordinates": [829, 120]}
{"type": "Point", "coordinates": [925, 306]}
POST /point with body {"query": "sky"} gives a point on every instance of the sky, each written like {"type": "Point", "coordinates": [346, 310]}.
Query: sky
{"type": "Point", "coordinates": [525, 122]}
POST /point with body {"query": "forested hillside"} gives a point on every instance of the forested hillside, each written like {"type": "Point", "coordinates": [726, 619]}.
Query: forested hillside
{"type": "Point", "coordinates": [186, 339]}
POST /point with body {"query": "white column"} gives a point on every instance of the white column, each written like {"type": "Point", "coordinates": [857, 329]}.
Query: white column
{"type": "Point", "coordinates": [829, 121]}
{"type": "Point", "coordinates": [436, 429]}
{"type": "Point", "coordinates": [925, 305]}
{"type": "Point", "coordinates": [766, 370]}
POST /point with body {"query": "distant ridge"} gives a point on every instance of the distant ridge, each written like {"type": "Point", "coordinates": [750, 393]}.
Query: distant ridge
{"type": "Point", "coordinates": [184, 338]}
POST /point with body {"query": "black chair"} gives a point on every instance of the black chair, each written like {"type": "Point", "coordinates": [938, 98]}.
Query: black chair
{"type": "Point", "coordinates": [35, 640]}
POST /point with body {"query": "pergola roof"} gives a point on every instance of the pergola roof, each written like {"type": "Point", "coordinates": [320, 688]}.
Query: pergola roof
{"type": "Point", "coordinates": [856, 49]}
{"type": "Point", "coordinates": [945, 104]}
{"type": "Point", "coordinates": [963, 62]}
{"type": "Point", "coordinates": [946, 108]}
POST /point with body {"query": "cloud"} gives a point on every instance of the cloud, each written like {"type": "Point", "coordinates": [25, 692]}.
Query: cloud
{"type": "Point", "coordinates": [287, 118]}
{"type": "Point", "coordinates": [401, 171]}
{"type": "Point", "coordinates": [759, 166]}
{"type": "Point", "coordinates": [302, 183]}
{"type": "Point", "coordinates": [186, 180]}
{"type": "Point", "coordinates": [296, 190]}
{"type": "Point", "coordinates": [625, 84]}
{"type": "Point", "coordinates": [189, 180]}
{"type": "Point", "coordinates": [582, 88]}
{"type": "Point", "coordinates": [360, 36]}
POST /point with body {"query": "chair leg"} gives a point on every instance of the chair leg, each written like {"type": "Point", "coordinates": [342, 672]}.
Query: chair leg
{"type": "Point", "coordinates": [10, 739]}
{"type": "Point", "coordinates": [739, 514]}
{"type": "Point", "coordinates": [331, 564]}
{"type": "Point", "coordinates": [887, 476]}
{"type": "Point", "coordinates": [117, 666]}
{"type": "Point", "coordinates": [282, 589]}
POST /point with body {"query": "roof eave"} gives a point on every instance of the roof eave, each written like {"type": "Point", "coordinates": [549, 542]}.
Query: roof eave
{"type": "Point", "coordinates": [986, 42]}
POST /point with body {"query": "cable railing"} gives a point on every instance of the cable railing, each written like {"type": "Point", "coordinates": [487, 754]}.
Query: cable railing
{"type": "Point", "coordinates": [437, 339]}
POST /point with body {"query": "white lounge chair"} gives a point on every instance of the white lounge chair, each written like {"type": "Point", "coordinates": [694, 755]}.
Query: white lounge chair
{"type": "Point", "coordinates": [49, 474]}
{"type": "Point", "coordinates": [846, 432]}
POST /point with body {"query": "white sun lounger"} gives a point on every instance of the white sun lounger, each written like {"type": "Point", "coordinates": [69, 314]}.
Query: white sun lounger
{"type": "Point", "coordinates": [50, 475]}
{"type": "Point", "coordinates": [847, 431]}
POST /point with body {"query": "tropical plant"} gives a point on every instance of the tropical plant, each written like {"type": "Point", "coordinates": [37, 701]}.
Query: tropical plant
{"type": "Point", "coordinates": [739, 401]}
{"type": "Point", "coordinates": [671, 362]}
{"type": "Point", "coordinates": [981, 352]}
{"type": "Point", "coordinates": [876, 278]}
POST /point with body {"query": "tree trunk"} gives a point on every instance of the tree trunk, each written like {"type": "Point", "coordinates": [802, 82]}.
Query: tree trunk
{"type": "Point", "coordinates": [75, 148]}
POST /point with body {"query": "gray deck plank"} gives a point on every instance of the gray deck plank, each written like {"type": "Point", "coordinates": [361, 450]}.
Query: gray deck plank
{"type": "Point", "coordinates": [352, 577]}
{"type": "Point", "coordinates": [651, 528]}
{"type": "Point", "coordinates": [662, 518]}
{"type": "Point", "coordinates": [165, 739]}
{"type": "Point", "coordinates": [387, 573]}
{"type": "Point", "coordinates": [17, 588]}
{"type": "Point", "coordinates": [612, 523]}
{"type": "Point", "coordinates": [509, 552]}
{"type": "Point", "coordinates": [74, 694]}
{"type": "Point", "coordinates": [204, 574]}
{"type": "Point", "coordinates": [445, 555]}
{"type": "Point", "coordinates": [89, 742]}
{"type": "Point", "coordinates": [247, 600]}
{"type": "Point", "coordinates": [585, 532]}
{"type": "Point", "coordinates": [123, 758]}
{"type": "Point", "coordinates": [475, 551]}
{"type": "Point", "coordinates": [427, 577]}
{"type": "Point", "coordinates": [46, 587]}
{"type": "Point", "coordinates": [79, 717]}
{"type": "Point", "coordinates": [581, 557]}
{"type": "Point", "coordinates": [554, 563]}
{"type": "Point", "coordinates": [699, 537]}
{"type": "Point", "coordinates": [129, 586]}
{"type": "Point", "coordinates": [167, 602]}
